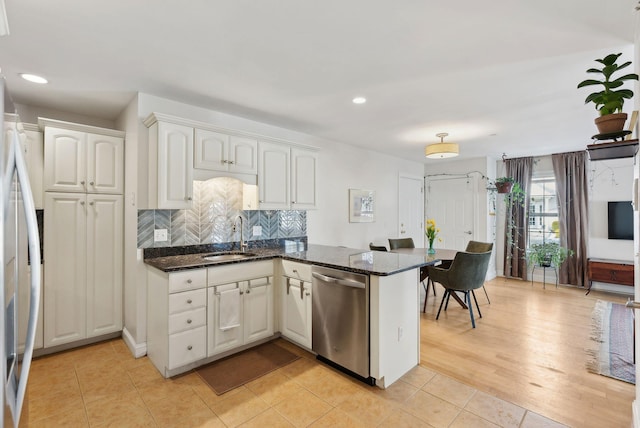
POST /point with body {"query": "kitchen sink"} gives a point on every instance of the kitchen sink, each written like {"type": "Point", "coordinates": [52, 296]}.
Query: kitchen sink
{"type": "Point", "coordinates": [227, 255]}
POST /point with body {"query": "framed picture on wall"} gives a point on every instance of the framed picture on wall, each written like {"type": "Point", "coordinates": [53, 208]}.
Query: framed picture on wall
{"type": "Point", "coordinates": [362, 206]}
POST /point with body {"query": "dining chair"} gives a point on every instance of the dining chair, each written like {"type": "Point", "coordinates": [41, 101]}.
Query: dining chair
{"type": "Point", "coordinates": [466, 273]}
{"type": "Point", "coordinates": [480, 247]}
{"type": "Point", "coordinates": [401, 243]}
{"type": "Point", "coordinates": [377, 247]}
{"type": "Point", "coordinates": [395, 243]}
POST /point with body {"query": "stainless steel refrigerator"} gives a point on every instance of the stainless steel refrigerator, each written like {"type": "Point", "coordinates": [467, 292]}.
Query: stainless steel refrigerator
{"type": "Point", "coordinates": [19, 229]}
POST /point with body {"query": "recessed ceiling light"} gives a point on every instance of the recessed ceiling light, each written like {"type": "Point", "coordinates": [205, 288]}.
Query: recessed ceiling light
{"type": "Point", "coordinates": [359, 100]}
{"type": "Point", "coordinates": [33, 78]}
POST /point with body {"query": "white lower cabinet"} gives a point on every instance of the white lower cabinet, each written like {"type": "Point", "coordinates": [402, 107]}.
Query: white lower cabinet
{"type": "Point", "coordinates": [83, 275]}
{"type": "Point", "coordinates": [295, 307]}
{"type": "Point", "coordinates": [183, 313]}
{"type": "Point", "coordinates": [176, 318]}
{"type": "Point", "coordinates": [253, 284]}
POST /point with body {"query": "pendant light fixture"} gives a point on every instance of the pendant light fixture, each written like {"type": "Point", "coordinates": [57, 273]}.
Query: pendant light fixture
{"type": "Point", "coordinates": [441, 150]}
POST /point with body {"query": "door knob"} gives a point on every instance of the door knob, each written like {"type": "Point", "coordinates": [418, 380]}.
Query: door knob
{"type": "Point", "coordinates": [468, 232]}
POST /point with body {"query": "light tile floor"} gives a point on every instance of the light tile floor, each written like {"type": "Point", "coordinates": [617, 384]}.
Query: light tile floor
{"type": "Point", "coordinates": [103, 385]}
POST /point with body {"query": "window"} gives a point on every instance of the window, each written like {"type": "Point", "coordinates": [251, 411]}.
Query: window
{"type": "Point", "coordinates": [544, 225]}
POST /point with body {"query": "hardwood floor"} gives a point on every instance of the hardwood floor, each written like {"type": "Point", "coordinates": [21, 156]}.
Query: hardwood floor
{"type": "Point", "coordinates": [529, 349]}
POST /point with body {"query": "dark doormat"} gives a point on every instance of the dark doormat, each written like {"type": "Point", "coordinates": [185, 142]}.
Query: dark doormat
{"type": "Point", "coordinates": [236, 370]}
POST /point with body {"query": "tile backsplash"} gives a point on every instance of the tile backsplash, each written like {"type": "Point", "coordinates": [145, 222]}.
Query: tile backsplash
{"type": "Point", "coordinates": [216, 205]}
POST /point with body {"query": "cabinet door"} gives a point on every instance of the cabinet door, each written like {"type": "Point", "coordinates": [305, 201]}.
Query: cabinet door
{"type": "Point", "coordinates": [304, 167]}
{"type": "Point", "coordinates": [104, 264]}
{"type": "Point", "coordinates": [65, 256]}
{"type": "Point", "coordinates": [296, 312]}
{"type": "Point", "coordinates": [273, 176]}
{"type": "Point", "coordinates": [65, 160]}
{"type": "Point", "coordinates": [243, 155]}
{"type": "Point", "coordinates": [220, 340]}
{"type": "Point", "coordinates": [211, 150]}
{"type": "Point", "coordinates": [34, 145]}
{"type": "Point", "coordinates": [105, 164]}
{"type": "Point", "coordinates": [175, 166]}
{"type": "Point", "coordinates": [258, 309]}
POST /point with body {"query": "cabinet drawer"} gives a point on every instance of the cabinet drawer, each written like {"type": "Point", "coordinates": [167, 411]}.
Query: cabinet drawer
{"type": "Point", "coordinates": [187, 347]}
{"type": "Point", "coordinates": [187, 320]}
{"type": "Point", "coordinates": [616, 273]}
{"type": "Point", "coordinates": [187, 300]}
{"type": "Point", "coordinates": [239, 272]}
{"type": "Point", "coordinates": [296, 270]}
{"type": "Point", "coordinates": [187, 280]}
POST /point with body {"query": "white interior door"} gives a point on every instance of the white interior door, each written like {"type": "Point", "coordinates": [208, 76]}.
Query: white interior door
{"type": "Point", "coordinates": [411, 209]}
{"type": "Point", "coordinates": [451, 203]}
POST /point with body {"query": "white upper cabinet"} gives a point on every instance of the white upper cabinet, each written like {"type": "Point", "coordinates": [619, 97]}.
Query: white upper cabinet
{"type": "Point", "coordinates": [286, 177]}
{"type": "Point", "coordinates": [170, 166]}
{"type": "Point", "coordinates": [216, 151]}
{"type": "Point", "coordinates": [273, 176]}
{"type": "Point", "coordinates": [304, 170]}
{"type": "Point", "coordinates": [82, 161]}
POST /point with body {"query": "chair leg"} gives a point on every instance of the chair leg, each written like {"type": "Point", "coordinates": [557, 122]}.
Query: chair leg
{"type": "Point", "coordinates": [446, 294]}
{"type": "Point", "coordinates": [467, 296]}
{"type": "Point", "coordinates": [446, 305]}
{"type": "Point", "coordinates": [486, 294]}
{"type": "Point", "coordinates": [433, 285]}
{"type": "Point", "coordinates": [476, 300]}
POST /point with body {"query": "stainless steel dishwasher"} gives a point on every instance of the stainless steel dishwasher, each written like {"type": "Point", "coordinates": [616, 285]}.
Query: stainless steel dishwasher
{"type": "Point", "coordinates": [340, 320]}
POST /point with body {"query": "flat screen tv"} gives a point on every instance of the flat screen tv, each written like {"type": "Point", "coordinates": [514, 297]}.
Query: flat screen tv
{"type": "Point", "coordinates": [620, 220]}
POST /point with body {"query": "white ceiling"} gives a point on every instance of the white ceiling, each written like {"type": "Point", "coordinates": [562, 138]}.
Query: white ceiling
{"type": "Point", "coordinates": [498, 76]}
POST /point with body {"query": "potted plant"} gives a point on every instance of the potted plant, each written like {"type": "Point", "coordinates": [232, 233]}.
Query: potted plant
{"type": "Point", "coordinates": [504, 184]}
{"type": "Point", "coordinates": [610, 100]}
{"type": "Point", "coordinates": [547, 254]}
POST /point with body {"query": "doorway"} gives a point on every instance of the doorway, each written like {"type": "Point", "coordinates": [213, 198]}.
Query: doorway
{"type": "Point", "coordinates": [411, 209]}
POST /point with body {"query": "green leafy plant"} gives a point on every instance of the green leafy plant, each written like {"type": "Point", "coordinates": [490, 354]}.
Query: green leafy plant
{"type": "Point", "coordinates": [504, 180]}
{"type": "Point", "coordinates": [610, 99]}
{"type": "Point", "coordinates": [548, 254]}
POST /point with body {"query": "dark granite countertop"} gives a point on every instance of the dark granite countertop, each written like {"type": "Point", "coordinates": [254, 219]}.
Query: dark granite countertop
{"type": "Point", "coordinates": [349, 259]}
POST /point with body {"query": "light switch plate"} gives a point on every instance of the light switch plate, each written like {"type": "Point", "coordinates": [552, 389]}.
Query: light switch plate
{"type": "Point", "coordinates": [257, 230]}
{"type": "Point", "coordinates": [160, 235]}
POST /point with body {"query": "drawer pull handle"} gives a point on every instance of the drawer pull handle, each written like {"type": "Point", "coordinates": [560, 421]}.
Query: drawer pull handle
{"type": "Point", "coordinates": [189, 347]}
{"type": "Point", "coordinates": [189, 301]}
{"type": "Point", "coordinates": [248, 290]}
{"type": "Point", "coordinates": [189, 321]}
{"type": "Point", "coordinates": [295, 271]}
{"type": "Point", "coordinates": [189, 281]}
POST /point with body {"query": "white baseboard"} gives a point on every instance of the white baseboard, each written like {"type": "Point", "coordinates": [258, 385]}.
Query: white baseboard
{"type": "Point", "coordinates": [635, 407]}
{"type": "Point", "coordinates": [138, 350]}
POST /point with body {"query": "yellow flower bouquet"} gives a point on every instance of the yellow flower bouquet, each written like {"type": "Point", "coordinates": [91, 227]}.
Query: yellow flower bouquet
{"type": "Point", "coordinates": [432, 232]}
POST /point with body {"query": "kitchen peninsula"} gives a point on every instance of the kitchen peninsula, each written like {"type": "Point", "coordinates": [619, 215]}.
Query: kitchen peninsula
{"type": "Point", "coordinates": [185, 291]}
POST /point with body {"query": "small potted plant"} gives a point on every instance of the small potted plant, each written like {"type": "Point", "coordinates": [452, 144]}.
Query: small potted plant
{"type": "Point", "coordinates": [548, 254]}
{"type": "Point", "coordinates": [504, 184]}
{"type": "Point", "coordinates": [610, 100]}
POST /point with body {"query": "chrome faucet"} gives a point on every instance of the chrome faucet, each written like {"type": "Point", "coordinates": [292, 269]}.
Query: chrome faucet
{"type": "Point", "coordinates": [243, 244]}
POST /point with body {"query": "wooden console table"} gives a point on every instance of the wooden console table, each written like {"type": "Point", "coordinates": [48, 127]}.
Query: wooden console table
{"type": "Point", "coordinates": [611, 271]}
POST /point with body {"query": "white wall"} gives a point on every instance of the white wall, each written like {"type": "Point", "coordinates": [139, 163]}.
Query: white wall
{"type": "Point", "coordinates": [610, 180]}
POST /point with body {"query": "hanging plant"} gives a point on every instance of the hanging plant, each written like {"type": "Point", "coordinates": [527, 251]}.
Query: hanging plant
{"type": "Point", "coordinates": [504, 184]}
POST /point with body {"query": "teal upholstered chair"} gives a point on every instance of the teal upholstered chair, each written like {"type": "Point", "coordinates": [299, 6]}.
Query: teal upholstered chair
{"type": "Point", "coordinates": [466, 273]}
{"type": "Point", "coordinates": [480, 247]}
{"type": "Point", "coordinates": [408, 243]}
{"type": "Point", "coordinates": [401, 243]}
{"type": "Point", "coordinates": [377, 247]}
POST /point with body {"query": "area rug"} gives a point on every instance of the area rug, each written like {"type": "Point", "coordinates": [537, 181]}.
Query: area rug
{"type": "Point", "coordinates": [236, 370]}
{"type": "Point", "coordinates": [612, 338]}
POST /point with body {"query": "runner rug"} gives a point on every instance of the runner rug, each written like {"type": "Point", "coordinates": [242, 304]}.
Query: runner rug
{"type": "Point", "coordinates": [236, 370]}
{"type": "Point", "coordinates": [612, 339]}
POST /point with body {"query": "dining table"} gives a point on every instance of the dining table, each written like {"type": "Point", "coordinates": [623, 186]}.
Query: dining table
{"type": "Point", "coordinates": [439, 256]}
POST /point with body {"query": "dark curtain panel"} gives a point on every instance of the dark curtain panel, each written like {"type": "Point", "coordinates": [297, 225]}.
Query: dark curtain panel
{"type": "Point", "coordinates": [515, 261]}
{"type": "Point", "coordinates": [572, 187]}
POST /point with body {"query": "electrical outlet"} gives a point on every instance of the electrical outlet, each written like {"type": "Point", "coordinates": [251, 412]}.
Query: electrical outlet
{"type": "Point", "coordinates": [257, 230]}
{"type": "Point", "coordinates": [160, 235]}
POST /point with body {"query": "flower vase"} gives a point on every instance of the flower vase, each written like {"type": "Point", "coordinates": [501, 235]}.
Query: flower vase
{"type": "Point", "coordinates": [431, 250]}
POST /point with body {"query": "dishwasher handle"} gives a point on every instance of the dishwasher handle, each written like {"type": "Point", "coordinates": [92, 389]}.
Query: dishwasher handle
{"type": "Point", "coordinates": [339, 281]}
